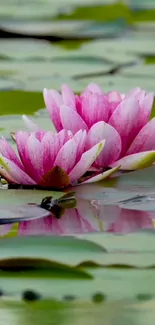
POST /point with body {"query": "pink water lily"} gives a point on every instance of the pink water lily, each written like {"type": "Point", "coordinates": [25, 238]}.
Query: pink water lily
{"type": "Point", "coordinates": [48, 159]}
{"type": "Point", "coordinates": [122, 120]}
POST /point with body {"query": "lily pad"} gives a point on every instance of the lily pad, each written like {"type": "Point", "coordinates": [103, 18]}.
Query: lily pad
{"type": "Point", "coordinates": [109, 51]}
{"type": "Point", "coordinates": [8, 84]}
{"type": "Point", "coordinates": [19, 213]}
{"type": "Point", "coordinates": [142, 71]}
{"type": "Point", "coordinates": [68, 68]}
{"type": "Point", "coordinates": [65, 312]}
{"type": "Point", "coordinates": [120, 83]}
{"type": "Point", "coordinates": [30, 49]}
{"type": "Point", "coordinates": [19, 101]}
{"type": "Point", "coordinates": [15, 123]}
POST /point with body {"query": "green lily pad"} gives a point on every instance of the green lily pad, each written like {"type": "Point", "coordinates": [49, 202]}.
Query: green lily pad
{"type": "Point", "coordinates": [141, 71]}
{"type": "Point", "coordinates": [108, 50]}
{"type": "Point", "coordinates": [140, 180]}
{"type": "Point", "coordinates": [64, 29]}
{"type": "Point", "coordinates": [14, 123]}
{"type": "Point", "coordinates": [25, 196]}
{"type": "Point", "coordinates": [8, 84]}
{"type": "Point", "coordinates": [34, 70]}
{"type": "Point", "coordinates": [20, 102]}
{"type": "Point", "coordinates": [52, 81]}
{"type": "Point", "coordinates": [120, 83]}
{"type": "Point", "coordinates": [144, 46]}
{"type": "Point", "coordinates": [30, 49]}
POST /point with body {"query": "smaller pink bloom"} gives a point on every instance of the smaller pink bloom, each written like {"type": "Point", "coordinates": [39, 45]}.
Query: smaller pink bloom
{"type": "Point", "coordinates": [48, 159]}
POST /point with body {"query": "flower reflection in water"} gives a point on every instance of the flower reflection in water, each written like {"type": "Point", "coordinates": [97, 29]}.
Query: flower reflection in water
{"type": "Point", "coordinates": [81, 219]}
{"type": "Point", "coordinates": [118, 220]}
{"type": "Point", "coordinates": [87, 217]}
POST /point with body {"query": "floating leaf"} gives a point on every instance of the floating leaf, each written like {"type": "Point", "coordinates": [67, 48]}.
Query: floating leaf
{"type": "Point", "coordinates": [19, 213]}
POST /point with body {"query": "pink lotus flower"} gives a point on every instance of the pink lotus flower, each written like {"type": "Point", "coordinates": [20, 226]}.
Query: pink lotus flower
{"type": "Point", "coordinates": [48, 159]}
{"type": "Point", "coordinates": [122, 120]}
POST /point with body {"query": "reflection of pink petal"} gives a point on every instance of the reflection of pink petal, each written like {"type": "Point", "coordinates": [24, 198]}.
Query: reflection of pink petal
{"type": "Point", "coordinates": [5, 229]}
{"type": "Point", "coordinates": [83, 219]}
{"type": "Point", "coordinates": [108, 214]}
{"type": "Point", "coordinates": [130, 221]}
{"type": "Point", "coordinates": [43, 226]}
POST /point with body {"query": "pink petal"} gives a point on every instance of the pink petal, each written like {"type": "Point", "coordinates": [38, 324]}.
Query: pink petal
{"type": "Point", "coordinates": [78, 104]}
{"type": "Point", "coordinates": [80, 139]}
{"type": "Point", "coordinates": [136, 161]}
{"type": "Point", "coordinates": [21, 140]}
{"type": "Point", "coordinates": [66, 157]}
{"type": "Point", "coordinates": [94, 88]}
{"type": "Point", "coordinates": [94, 107]}
{"type": "Point", "coordinates": [50, 146]}
{"type": "Point", "coordinates": [101, 176]}
{"type": "Point", "coordinates": [113, 96]}
{"type": "Point", "coordinates": [71, 120]}
{"type": "Point", "coordinates": [68, 96]}
{"type": "Point", "coordinates": [145, 140]}
{"type": "Point", "coordinates": [114, 99]}
{"type": "Point", "coordinates": [146, 105]}
{"type": "Point", "coordinates": [39, 135]}
{"type": "Point", "coordinates": [30, 124]}
{"type": "Point", "coordinates": [85, 162]}
{"type": "Point", "coordinates": [5, 229]}
{"type": "Point", "coordinates": [64, 136]}
{"type": "Point", "coordinates": [112, 147]}
{"type": "Point", "coordinates": [15, 172]}
{"type": "Point", "coordinates": [7, 151]}
{"type": "Point", "coordinates": [127, 120]}
{"type": "Point", "coordinates": [53, 101]}
{"type": "Point", "coordinates": [136, 93]}
{"type": "Point", "coordinates": [34, 158]}
{"type": "Point", "coordinates": [112, 107]}
{"type": "Point", "coordinates": [6, 175]}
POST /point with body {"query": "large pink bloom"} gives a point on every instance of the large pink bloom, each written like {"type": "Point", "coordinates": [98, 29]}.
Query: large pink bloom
{"type": "Point", "coordinates": [122, 120]}
{"type": "Point", "coordinates": [49, 159]}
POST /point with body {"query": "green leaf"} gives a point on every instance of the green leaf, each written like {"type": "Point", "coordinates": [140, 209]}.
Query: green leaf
{"type": "Point", "coordinates": [20, 102]}
{"type": "Point", "coordinates": [66, 313]}
{"type": "Point", "coordinates": [13, 197]}
{"type": "Point", "coordinates": [142, 242]}
{"type": "Point", "coordinates": [142, 181]}
{"type": "Point", "coordinates": [51, 248]}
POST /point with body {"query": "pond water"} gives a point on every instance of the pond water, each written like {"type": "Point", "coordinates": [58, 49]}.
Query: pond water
{"type": "Point", "coordinates": [104, 272]}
